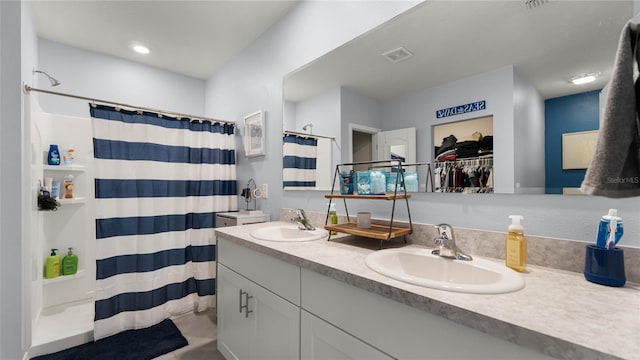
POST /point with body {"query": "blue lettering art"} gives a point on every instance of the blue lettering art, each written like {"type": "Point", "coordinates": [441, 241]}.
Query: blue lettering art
{"type": "Point", "coordinates": [461, 109]}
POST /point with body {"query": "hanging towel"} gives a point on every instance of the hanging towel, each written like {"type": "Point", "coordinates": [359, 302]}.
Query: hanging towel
{"type": "Point", "coordinates": [614, 170]}
{"type": "Point", "coordinates": [299, 162]}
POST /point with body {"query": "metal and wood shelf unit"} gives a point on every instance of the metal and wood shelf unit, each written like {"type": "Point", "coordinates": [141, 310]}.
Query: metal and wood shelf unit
{"type": "Point", "coordinates": [376, 231]}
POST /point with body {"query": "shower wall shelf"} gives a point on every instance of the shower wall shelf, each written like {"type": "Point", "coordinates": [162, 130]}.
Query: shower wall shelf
{"type": "Point", "coordinates": [79, 168]}
{"type": "Point", "coordinates": [376, 231]}
{"type": "Point", "coordinates": [63, 278]}
{"type": "Point", "coordinates": [74, 201]}
{"type": "Point", "coordinates": [55, 172]}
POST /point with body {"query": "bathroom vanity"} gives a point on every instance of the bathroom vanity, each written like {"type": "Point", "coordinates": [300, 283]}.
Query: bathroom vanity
{"type": "Point", "coordinates": [318, 300]}
{"type": "Point", "coordinates": [238, 218]}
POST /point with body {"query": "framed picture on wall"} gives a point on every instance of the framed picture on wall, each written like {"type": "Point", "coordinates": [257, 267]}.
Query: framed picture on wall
{"type": "Point", "coordinates": [578, 149]}
{"type": "Point", "coordinates": [254, 134]}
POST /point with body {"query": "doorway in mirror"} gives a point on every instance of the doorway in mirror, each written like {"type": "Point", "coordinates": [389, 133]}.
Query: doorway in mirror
{"type": "Point", "coordinates": [371, 144]}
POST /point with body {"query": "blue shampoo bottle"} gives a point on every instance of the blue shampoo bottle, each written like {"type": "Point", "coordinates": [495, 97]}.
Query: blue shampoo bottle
{"type": "Point", "coordinates": [53, 158]}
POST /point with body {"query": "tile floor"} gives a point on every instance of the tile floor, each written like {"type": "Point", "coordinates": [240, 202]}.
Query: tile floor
{"type": "Point", "coordinates": [200, 331]}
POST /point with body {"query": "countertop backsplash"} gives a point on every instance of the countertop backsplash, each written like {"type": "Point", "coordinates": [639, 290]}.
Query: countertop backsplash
{"type": "Point", "coordinates": [561, 254]}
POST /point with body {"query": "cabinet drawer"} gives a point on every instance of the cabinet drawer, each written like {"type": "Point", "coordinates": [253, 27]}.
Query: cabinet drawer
{"type": "Point", "coordinates": [223, 221]}
{"type": "Point", "coordinates": [276, 275]}
{"type": "Point", "coordinates": [397, 329]}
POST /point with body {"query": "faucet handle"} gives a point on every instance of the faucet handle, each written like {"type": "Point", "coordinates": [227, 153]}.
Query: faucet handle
{"type": "Point", "coordinates": [445, 231]}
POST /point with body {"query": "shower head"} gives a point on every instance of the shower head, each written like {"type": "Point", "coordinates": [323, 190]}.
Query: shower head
{"type": "Point", "coordinates": [52, 80]}
{"type": "Point", "coordinates": [308, 127]}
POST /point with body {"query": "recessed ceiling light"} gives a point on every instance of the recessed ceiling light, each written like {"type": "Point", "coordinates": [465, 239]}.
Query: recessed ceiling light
{"type": "Point", "coordinates": [141, 49]}
{"type": "Point", "coordinates": [584, 79]}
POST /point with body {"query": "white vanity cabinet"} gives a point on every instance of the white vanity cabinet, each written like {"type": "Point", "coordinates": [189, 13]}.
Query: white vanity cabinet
{"type": "Point", "coordinates": [257, 316]}
{"type": "Point", "coordinates": [320, 340]}
{"type": "Point", "coordinates": [270, 309]}
{"type": "Point", "coordinates": [399, 330]}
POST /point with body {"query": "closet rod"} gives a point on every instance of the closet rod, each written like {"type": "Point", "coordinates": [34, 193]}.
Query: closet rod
{"type": "Point", "coordinates": [28, 89]}
{"type": "Point", "coordinates": [308, 135]}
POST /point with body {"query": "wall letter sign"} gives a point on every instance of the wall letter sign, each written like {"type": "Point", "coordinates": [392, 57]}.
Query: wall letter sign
{"type": "Point", "coordinates": [461, 109]}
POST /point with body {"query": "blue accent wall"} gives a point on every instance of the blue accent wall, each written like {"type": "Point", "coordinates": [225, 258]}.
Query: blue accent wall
{"type": "Point", "coordinates": [566, 114]}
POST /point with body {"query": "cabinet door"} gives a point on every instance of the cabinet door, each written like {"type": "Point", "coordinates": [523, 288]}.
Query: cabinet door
{"type": "Point", "coordinates": [275, 327]}
{"type": "Point", "coordinates": [233, 328]}
{"type": "Point", "coordinates": [323, 341]}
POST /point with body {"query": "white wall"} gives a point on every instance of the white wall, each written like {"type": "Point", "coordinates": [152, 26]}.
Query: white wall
{"type": "Point", "coordinates": [94, 75]}
{"type": "Point", "coordinates": [71, 225]}
{"type": "Point", "coordinates": [32, 290]}
{"type": "Point", "coordinates": [357, 109]}
{"type": "Point", "coordinates": [419, 110]}
{"type": "Point", "coordinates": [322, 112]}
{"type": "Point", "coordinates": [529, 146]}
{"type": "Point", "coordinates": [253, 80]}
{"type": "Point", "coordinates": [16, 200]}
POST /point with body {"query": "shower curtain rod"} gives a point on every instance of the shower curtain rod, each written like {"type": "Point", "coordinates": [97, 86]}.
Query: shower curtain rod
{"type": "Point", "coordinates": [28, 89]}
{"type": "Point", "coordinates": [308, 135]}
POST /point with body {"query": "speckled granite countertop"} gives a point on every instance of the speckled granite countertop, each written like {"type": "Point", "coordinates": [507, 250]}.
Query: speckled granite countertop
{"type": "Point", "coordinates": [558, 313]}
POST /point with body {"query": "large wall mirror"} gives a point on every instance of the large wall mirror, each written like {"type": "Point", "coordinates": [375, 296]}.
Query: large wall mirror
{"type": "Point", "coordinates": [426, 67]}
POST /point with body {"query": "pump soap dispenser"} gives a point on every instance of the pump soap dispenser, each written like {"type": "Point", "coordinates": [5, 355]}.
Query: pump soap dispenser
{"type": "Point", "coordinates": [516, 245]}
{"type": "Point", "coordinates": [70, 263]}
{"type": "Point", "coordinates": [333, 216]}
{"type": "Point", "coordinates": [52, 266]}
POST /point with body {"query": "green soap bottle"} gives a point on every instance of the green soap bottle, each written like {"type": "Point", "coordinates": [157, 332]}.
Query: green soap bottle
{"type": "Point", "coordinates": [52, 266]}
{"type": "Point", "coordinates": [333, 216]}
{"type": "Point", "coordinates": [70, 263]}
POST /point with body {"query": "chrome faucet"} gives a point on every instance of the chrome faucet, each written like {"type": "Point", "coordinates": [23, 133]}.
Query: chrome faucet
{"type": "Point", "coordinates": [446, 244]}
{"type": "Point", "coordinates": [301, 219]}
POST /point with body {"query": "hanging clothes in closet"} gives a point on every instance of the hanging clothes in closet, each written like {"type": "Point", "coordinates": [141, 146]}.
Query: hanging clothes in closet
{"type": "Point", "coordinates": [464, 176]}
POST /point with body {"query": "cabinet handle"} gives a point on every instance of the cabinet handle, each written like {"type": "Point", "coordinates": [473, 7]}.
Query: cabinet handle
{"type": "Point", "coordinates": [246, 301]}
{"type": "Point", "coordinates": [246, 308]}
{"type": "Point", "coordinates": [240, 298]}
{"type": "Point", "coordinates": [246, 305]}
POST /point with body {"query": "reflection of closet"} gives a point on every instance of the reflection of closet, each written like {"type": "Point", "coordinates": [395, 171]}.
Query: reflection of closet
{"type": "Point", "coordinates": [470, 175]}
{"type": "Point", "coordinates": [463, 162]}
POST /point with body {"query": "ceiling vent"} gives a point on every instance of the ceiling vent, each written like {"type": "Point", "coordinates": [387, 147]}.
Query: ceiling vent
{"type": "Point", "coordinates": [532, 4]}
{"type": "Point", "coordinates": [397, 55]}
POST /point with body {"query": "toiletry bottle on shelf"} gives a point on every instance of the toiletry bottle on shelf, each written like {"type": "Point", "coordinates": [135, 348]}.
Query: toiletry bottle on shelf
{"type": "Point", "coordinates": [516, 245]}
{"type": "Point", "coordinates": [68, 156]}
{"type": "Point", "coordinates": [333, 216]}
{"type": "Point", "coordinates": [52, 266]}
{"type": "Point", "coordinates": [55, 189]}
{"type": "Point", "coordinates": [70, 263]}
{"type": "Point", "coordinates": [606, 238]}
{"type": "Point", "coordinates": [68, 186]}
{"type": "Point", "coordinates": [53, 157]}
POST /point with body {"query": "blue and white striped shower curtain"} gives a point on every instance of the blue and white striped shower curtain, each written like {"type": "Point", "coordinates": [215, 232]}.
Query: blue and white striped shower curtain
{"type": "Point", "coordinates": [299, 162]}
{"type": "Point", "coordinates": [159, 183]}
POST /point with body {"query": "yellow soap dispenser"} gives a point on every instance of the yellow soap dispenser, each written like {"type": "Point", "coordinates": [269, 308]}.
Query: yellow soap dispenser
{"type": "Point", "coordinates": [516, 245]}
{"type": "Point", "coordinates": [333, 216]}
{"type": "Point", "coordinates": [52, 265]}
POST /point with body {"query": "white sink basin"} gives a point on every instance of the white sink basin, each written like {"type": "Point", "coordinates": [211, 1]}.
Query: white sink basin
{"type": "Point", "coordinates": [288, 232]}
{"type": "Point", "coordinates": [418, 266]}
